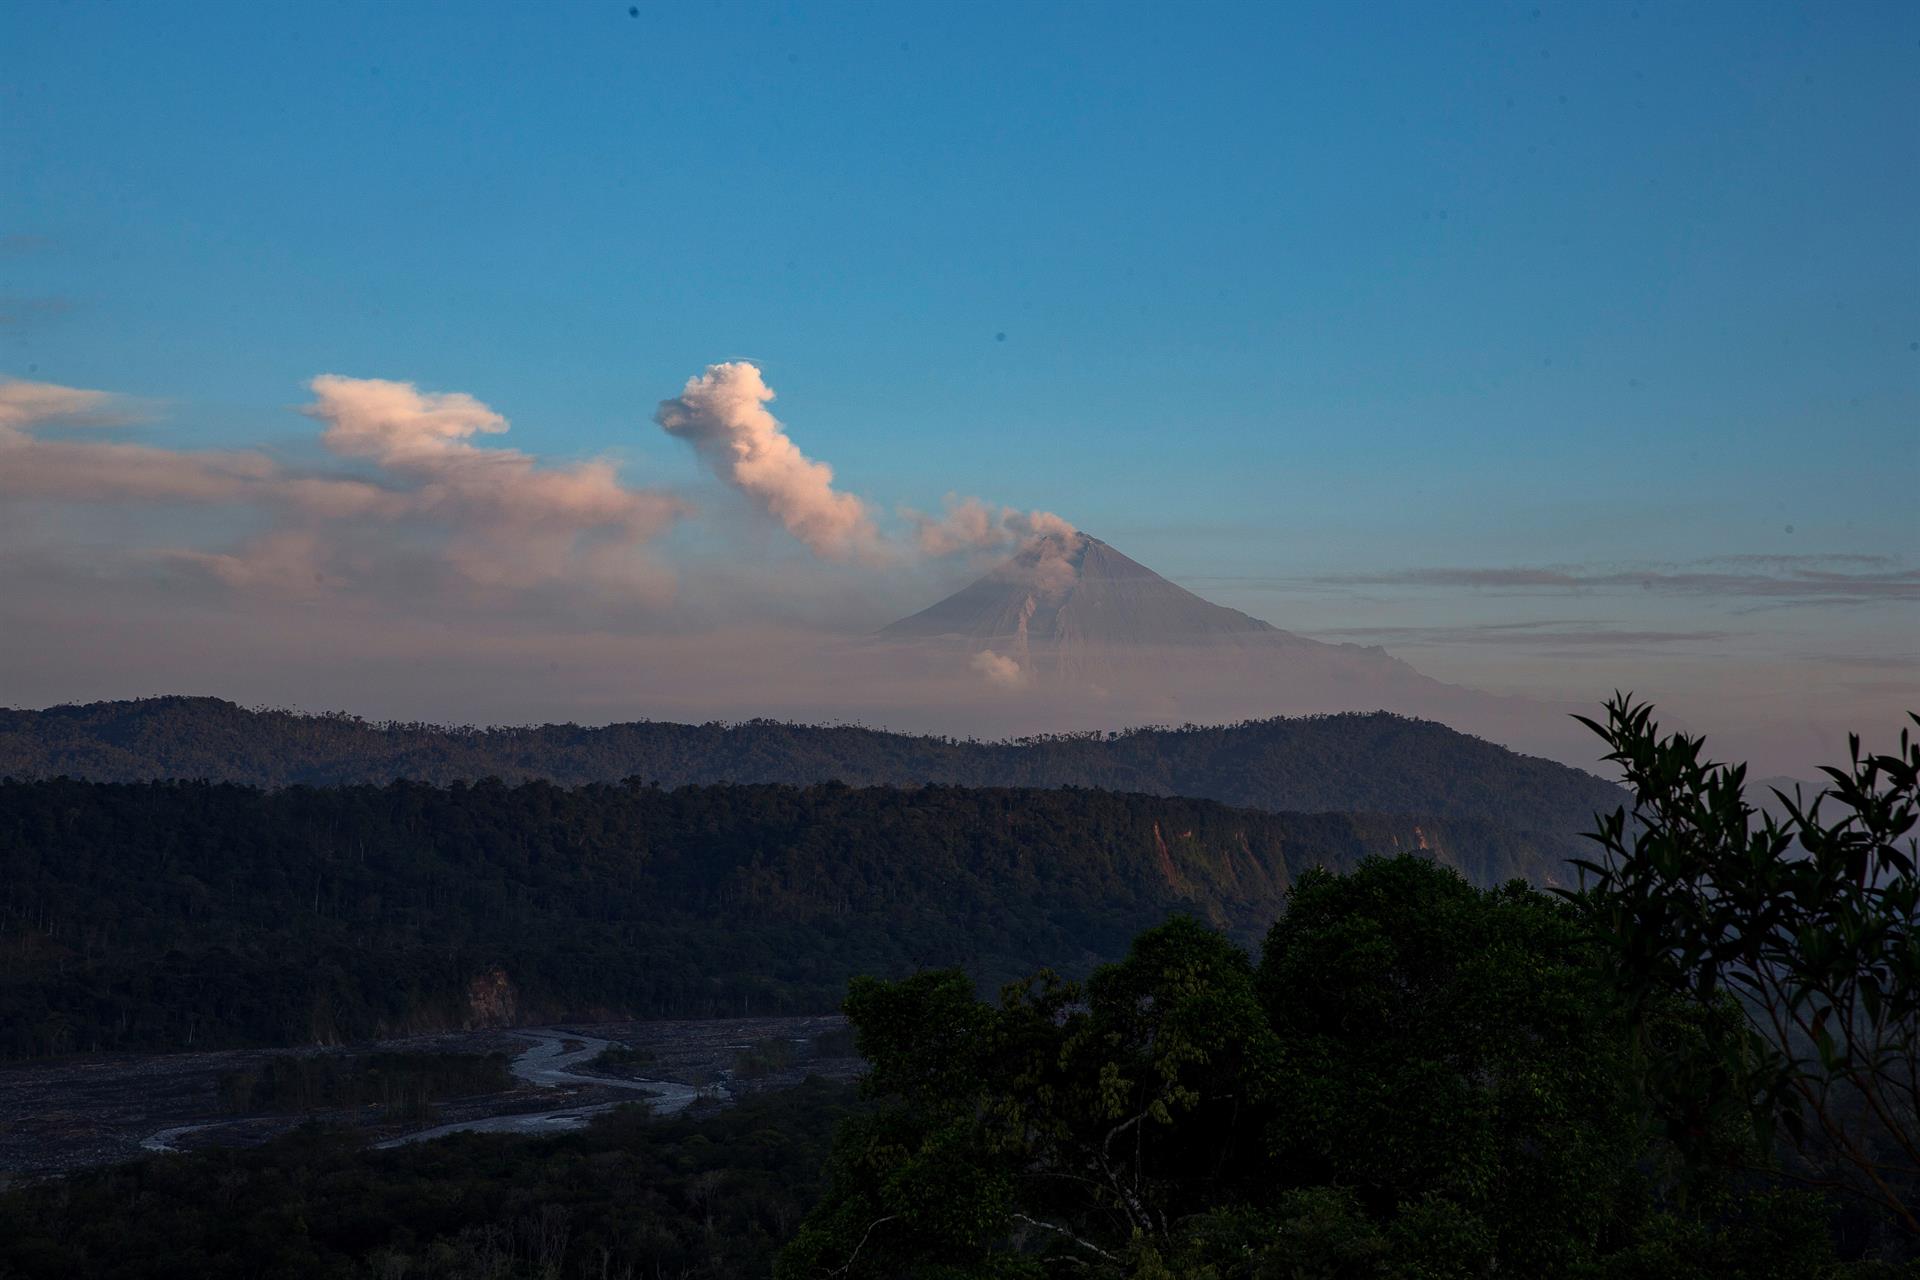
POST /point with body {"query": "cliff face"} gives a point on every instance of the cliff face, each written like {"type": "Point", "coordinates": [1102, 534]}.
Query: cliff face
{"type": "Point", "coordinates": [492, 1000]}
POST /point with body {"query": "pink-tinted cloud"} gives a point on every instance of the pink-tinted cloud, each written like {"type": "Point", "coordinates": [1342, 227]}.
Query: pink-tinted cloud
{"type": "Point", "coordinates": [1043, 542]}
{"type": "Point", "coordinates": [78, 471]}
{"type": "Point", "coordinates": [513, 523]}
{"type": "Point", "coordinates": [109, 471]}
{"type": "Point", "coordinates": [422, 495]}
{"type": "Point", "coordinates": [493, 519]}
{"type": "Point", "coordinates": [968, 524]}
{"type": "Point", "coordinates": [722, 414]}
{"type": "Point", "coordinates": [1000, 671]}
{"type": "Point", "coordinates": [396, 423]}
{"type": "Point", "coordinates": [290, 562]}
{"type": "Point", "coordinates": [106, 471]}
{"type": "Point", "coordinates": [24, 404]}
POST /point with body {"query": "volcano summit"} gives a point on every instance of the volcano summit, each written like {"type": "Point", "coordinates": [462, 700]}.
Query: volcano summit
{"type": "Point", "coordinates": [1076, 593]}
{"type": "Point", "coordinates": [1074, 621]}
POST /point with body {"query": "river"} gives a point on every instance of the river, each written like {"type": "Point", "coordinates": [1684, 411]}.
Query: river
{"type": "Point", "coordinates": [548, 1064]}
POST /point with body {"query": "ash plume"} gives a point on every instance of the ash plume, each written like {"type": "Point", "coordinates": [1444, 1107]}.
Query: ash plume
{"type": "Point", "coordinates": [722, 413]}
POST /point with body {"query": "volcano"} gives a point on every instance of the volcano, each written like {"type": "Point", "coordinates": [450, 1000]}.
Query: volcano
{"type": "Point", "coordinates": [1071, 607]}
{"type": "Point", "coordinates": [1073, 594]}
{"type": "Point", "coordinates": [1074, 622]}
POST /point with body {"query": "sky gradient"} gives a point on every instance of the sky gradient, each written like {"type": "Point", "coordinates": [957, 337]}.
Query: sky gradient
{"type": "Point", "coordinates": [1554, 347]}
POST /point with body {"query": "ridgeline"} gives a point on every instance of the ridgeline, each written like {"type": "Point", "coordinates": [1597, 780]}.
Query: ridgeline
{"type": "Point", "coordinates": [1362, 763]}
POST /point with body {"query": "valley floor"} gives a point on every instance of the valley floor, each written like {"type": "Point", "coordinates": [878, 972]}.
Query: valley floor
{"type": "Point", "coordinates": [76, 1113]}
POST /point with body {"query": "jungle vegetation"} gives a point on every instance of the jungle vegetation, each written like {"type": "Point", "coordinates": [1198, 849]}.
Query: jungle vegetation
{"type": "Point", "coordinates": [200, 915]}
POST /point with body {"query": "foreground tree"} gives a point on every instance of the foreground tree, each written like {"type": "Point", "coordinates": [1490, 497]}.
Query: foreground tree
{"type": "Point", "coordinates": [1803, 925]}
{"type": "Point", "coordinates": [1060, 1125]}
{"type": "Point", "coordinates": [1419, 1079]}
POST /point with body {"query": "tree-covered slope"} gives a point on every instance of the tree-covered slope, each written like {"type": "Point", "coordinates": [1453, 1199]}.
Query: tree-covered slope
{"type": "Point", "coordinates": [163, 914]}
{"type": "Point", "coordinates": [1373, 763]}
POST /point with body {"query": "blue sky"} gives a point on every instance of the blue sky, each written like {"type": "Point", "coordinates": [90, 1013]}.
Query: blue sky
{"type": "Point", "coordinates": [1263, 294]}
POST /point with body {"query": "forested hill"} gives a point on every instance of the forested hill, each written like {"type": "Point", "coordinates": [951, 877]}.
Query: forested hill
{"type": "Point", "coordinates": [1372, 763]}
{"type": "Point", "coordinates": [168, 914]}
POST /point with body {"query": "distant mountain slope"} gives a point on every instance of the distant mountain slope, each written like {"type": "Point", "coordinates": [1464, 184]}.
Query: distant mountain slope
{"type": "Point", "coordinates": [1085, 594]}
{"type": "Point", "coordinates": [1075, 632]}
{"type": "Point", "coordinates": [167, 914]}
{"type": "Point", "coordinates": [1074, 612]}
{"type": "Point", "coordinates": [1375, 763]}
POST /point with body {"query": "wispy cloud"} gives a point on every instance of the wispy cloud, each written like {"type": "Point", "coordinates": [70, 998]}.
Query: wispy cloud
{"type": "Point", "coordinates": [1794, 563]}
{"type": "Point", "coordinates": [17, 313]}
{"type": "Point", "coordinates": [1544, 634]}
{"type": "Point", "coordinates": [1778, 580]}
{"type": "Point", "coordinates": [25, 404]}
{"type": "Point", "coordinates": [1906, 662]}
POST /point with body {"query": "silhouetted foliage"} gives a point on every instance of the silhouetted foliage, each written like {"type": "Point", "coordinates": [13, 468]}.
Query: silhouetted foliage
{"type": "Point", "coordinates": [620, 1057]}
{"type": "Point", "coordinates": [1807, 920]}
{"type": "Point", "coordinates": [1419, 1079]}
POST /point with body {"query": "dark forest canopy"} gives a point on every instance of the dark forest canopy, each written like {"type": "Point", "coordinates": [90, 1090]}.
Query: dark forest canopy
{"type": "Point", "coordinates": [207, 914]}
{"type": "Point", "coordinates": [1413, 1080]}
{"type": "Point", "coordinates": [1371, 763]}
{"type": "Point", "coordinates": [700, 1197]}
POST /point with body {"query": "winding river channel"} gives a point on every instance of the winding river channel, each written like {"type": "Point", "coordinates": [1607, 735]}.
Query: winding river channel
{"type": "Point", "coordinates": [548, 1063]}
